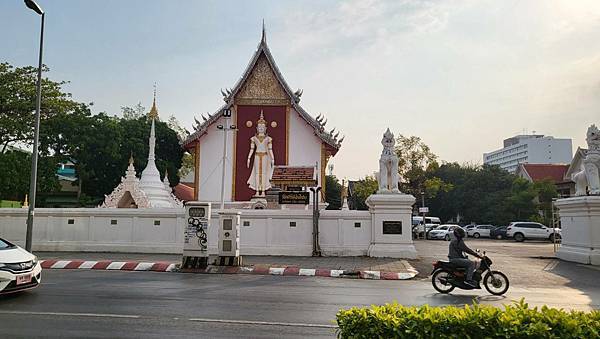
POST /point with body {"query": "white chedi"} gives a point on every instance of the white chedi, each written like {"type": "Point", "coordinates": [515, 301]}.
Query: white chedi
{"type": "Point", "coordinates": [154, 188]}
{"type": "Point", "coordinates": [388, 166]}
{"type": "Point", "coordinates": [589, 176]}
{"type": "Point", "coordinates": [128, 193]}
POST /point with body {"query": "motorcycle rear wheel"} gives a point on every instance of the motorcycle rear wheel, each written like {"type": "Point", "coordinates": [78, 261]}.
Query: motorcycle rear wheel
{"type": "Point", "coordinates": [496, 283]}
{"type": "Point", "coordinates": [437, 280]}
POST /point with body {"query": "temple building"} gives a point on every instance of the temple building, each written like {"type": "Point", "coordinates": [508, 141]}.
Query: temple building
{"type": "Point", "coordinates": [275, 143]}
{"type": "Point", "coordinates": [148, 191]}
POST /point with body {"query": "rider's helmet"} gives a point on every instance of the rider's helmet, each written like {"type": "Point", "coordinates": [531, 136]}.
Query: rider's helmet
{"type": "Point", "coordinates": [459, 233]}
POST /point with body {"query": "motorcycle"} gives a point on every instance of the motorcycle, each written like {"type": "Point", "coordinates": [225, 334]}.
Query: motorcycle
{"type": "Point", "coordinates": [446, 276]}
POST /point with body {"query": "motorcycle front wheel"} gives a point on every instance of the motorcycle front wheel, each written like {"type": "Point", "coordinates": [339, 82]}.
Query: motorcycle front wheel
{"type": "Point", "coordinates": [440, 281]}
{"type": "Point", "coordinates": [496, 282]}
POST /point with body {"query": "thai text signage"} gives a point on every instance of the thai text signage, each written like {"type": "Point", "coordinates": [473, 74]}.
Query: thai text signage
{"type": "Point", "coordinates": [293, 198]}
{"type": "Point", "coordinates": [392, 227]}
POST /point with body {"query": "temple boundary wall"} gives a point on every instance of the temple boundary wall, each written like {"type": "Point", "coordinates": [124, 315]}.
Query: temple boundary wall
{"type": "Point", "coordinates": [263, 232]}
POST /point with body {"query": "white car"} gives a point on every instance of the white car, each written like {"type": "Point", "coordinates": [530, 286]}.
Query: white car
{"type": "Point", "coordinates": [480, 231]}
{"type": "Point", "coordinates": [19, 269]}
{"type": "Point", "coordinates": [442, 232]}
{"type": "Point", "coordinates": [522, 230]}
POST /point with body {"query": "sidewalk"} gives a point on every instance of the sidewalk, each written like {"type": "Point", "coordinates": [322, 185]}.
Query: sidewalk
{"type": "Point", "coordinates": [348, 267]}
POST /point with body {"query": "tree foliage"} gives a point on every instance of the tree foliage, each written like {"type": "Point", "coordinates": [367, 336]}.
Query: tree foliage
{"type": "Point", "coordinates": [414, 159]}
{"type": "Point", "coordinates": [361, 190]}
{"type": "Point", "coordinates": [333, 194]}
{"type": "Point", "coordinates": [99, 145]}
{"type": "Point", "coordinates": [18, 101]}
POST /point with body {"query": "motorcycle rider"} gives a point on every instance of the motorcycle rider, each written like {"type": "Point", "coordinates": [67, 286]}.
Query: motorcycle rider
{"type": "Point", "coordinates": [458, 258]}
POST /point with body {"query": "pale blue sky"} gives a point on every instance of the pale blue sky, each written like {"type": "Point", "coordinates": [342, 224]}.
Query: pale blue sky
{"type": "Point", "coordinates": [463, 75]}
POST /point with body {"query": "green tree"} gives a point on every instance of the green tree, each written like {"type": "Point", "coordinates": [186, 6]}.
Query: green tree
{"type": "Point", "coordinates": [17, 103]}
{"type": "Point", "coordinates": [15, 170]}
{"type": "Point", "coordinates": [133, 113]}
{"type": "Point", "coordinates": [521, 201]}
{"type": "Point", "coordinates": [414, 159]}
{"type": "Point", "coordinates": [333, 195]}
{"type": "Point", "coordinates": [362, 189]}
{"type": "Point", "coordinates": [546, 192]}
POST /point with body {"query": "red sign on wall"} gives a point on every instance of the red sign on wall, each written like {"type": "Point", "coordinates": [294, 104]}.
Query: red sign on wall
{"type": "Point", "coordinates": [276, 129]}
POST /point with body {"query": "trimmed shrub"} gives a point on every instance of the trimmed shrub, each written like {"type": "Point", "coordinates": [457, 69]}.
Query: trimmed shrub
{"type": "Point", "coordinates": [477, 321]}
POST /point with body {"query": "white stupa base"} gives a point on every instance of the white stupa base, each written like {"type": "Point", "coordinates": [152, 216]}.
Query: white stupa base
{"type": "Point", "coordinates": [580, 222]}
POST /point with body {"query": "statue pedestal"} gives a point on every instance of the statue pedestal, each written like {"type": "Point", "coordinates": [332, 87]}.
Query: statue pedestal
{"type": "Point", "coordinates": [259, 203]}
{"type": "Point", "coordinates": [391, 226]}
{"type": "Point", "coordinates": [580, 222]}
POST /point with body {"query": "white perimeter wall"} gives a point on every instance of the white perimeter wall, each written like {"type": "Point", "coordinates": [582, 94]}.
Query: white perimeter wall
{"type": "Point", "coordinates": [343, 233]}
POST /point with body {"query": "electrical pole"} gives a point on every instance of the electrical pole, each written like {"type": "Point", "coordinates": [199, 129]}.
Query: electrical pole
{"type": "Point", "coordinates": [225, 128]}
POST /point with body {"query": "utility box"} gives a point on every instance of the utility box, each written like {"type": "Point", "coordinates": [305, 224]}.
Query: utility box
{"type": "Point", "coordinates": [195, 246]}
{"type": "Point", "coordinates": [229, 238]}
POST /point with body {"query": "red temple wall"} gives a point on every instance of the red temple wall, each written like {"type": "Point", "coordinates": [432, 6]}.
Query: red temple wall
{"type": "Point", "coordinates": [252, 113]}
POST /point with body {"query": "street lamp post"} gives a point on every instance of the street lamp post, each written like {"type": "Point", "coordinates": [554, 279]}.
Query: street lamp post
{"type": "Point", "coordinates": [316, 247]}
{"type": "Point", "coordinates": [226, 127]}
{"type": "Point", "coordinates": [34, 156]}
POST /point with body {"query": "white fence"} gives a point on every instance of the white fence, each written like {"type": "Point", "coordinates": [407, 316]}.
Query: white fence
{"type": "Point", "coordinates": [263, 232]}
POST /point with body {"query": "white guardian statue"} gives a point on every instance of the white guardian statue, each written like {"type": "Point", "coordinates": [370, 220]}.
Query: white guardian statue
{"type": "Point", "coordinates": [590, 175]}
{"type": "Point", "coordinates": [388, 165]}
{"type": "Point", "coordinates": [261, 145]}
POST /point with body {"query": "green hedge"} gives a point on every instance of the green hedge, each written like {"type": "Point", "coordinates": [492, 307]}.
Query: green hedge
{"type": "Point", "coordinates": [476, 321]}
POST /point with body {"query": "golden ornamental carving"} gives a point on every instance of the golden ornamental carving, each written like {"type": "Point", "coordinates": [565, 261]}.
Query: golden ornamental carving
{"type": "Point", "coordinates": [262, 87]}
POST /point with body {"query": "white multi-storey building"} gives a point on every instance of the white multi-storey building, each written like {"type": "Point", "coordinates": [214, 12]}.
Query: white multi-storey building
{"type": "Point", "coordinates": [535, 149]}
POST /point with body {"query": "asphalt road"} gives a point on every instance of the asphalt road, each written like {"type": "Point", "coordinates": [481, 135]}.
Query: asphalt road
{"type": "Point", "coordinates": [121, 304]}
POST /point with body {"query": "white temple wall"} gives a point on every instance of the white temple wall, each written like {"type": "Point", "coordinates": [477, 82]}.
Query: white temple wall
{"type": "Point", "coordinates": [305, 146]}
{"type": "Point", "coordinates": [211, 154]}
{"type": "Point", "coordinates": [268, 232]}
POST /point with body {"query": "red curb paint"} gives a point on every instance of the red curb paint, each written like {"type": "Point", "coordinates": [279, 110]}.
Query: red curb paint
{"type": "Point", "coordinates": [231, 270]}
{"type": "Point", "coordinates": [291, 271]}
{"type": "Point", "coordinates": [129, 266]}
{"type": "Point", "coordinates": [388, 276]}
{"type": "Point", "coordinates": [101, 265]}
{"type": "Point", "coordinates": [260, 270]}
{"type": "Point", "coordinates": [322, 273]}
{"type": "Point", "coordinates": [160, 266]}
{"type": "Point", "coordinates": [74, 264]}
{"type": "Point", "coordinates": [48, 263]}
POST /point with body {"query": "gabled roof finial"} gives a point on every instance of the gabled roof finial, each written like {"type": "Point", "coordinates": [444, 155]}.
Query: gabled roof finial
{"type": "Point", "coordinates": [264, 33]}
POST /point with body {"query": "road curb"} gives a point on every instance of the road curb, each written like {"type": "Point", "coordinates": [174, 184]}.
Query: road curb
{"type": "Point", "coordinates": [162, 266]}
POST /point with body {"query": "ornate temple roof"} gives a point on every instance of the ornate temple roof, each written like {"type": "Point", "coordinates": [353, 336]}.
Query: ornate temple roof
{"type": "Point", "coordinates": [330, 138]}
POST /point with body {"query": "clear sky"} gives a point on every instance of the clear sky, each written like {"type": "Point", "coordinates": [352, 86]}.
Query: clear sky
{"type": "Point", "coordinates": [462, 75]}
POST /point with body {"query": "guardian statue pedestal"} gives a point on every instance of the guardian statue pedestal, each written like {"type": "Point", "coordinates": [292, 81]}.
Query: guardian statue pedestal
{"type": "Point", "coordinates": [580, 222]}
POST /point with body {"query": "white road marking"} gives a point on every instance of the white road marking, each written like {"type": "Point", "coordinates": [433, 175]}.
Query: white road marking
{"type": "Point", "coordinates": [307, 271]}
{"type": "Point", "coordinates": [65, 314]}
{"type": "Point", "coordinates": [144, 266]}
{"type": "Point", "coordinates": [372, 274]}
{"type": "Point", "coordinates": [336, 273]}
{"type": "Point", "coordinates": [61, 264]}
{"type": "Point", "coordinates": [252, 322]}
{"type": "Point", "coordinates": [87, 264]}
{"type": "Point", "coordinates": [276, 270]}
{"type": "Point", "coordinates": [116, 265]}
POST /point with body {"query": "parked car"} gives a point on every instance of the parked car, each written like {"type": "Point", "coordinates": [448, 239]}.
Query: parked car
{"type": "Point", "coordinates": [421, 230]}
{"type": "Point", "coordinates": [480, 231]}
{"type": "Point", "coordinates": [19, 269]}
{"type": "Point", "coordinates": [498, 232]}
{"type": "Point", "coordinates": [522, 230]}
{"type": "Point", "coordinates": [442, 232]}
{"type": "Point", "coordinates": [469, 227]}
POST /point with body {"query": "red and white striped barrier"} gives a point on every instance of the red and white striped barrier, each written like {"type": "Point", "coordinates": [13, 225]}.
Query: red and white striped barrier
{"type": "Point", "coordinates": [260, 270]}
